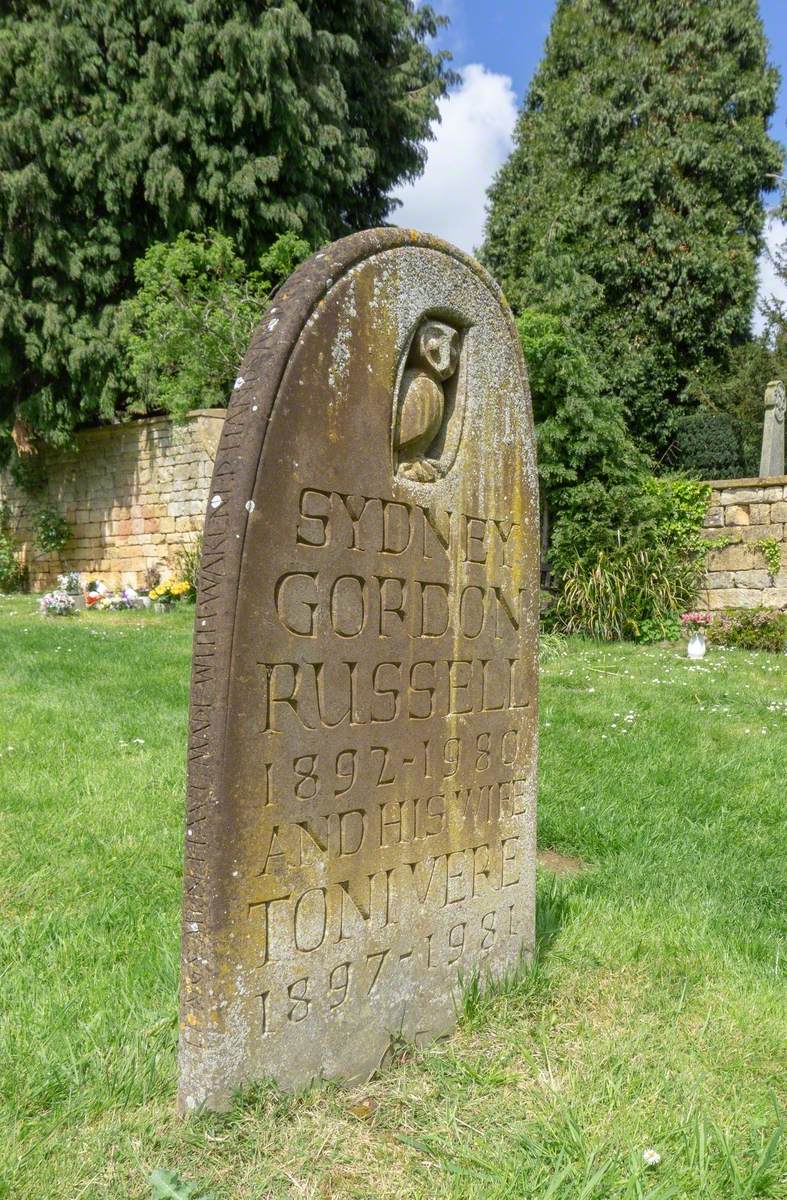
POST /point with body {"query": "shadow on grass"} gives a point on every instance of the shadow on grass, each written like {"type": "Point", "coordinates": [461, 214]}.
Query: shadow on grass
{"type": "Point", "coordinates": [480, 993]}
{"type": "Point", "coordinates": [528, 978]}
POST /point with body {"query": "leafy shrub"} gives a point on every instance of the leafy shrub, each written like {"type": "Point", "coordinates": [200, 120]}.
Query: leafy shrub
{"type": "Point", "coordinates": [579, 427]}
{"type": "Point", "coordinates": [12, 574]}
{"type": "Point", "coordinates": [629, 558]}
{"type": "Point", "coordinates": [660, 629]}
{"type": "Point", "coordinates": [645, 512]}
{"type": "Point", "coordinates": [771, 550]}
{"type": "Point", "coordinates": [749, 629]}
{"type": "Point", "coordinates": [50, 531]}
{"type": "Point", "coordinates": [708, 445]}
{"type": "Point", "coordinates": [184, 333]}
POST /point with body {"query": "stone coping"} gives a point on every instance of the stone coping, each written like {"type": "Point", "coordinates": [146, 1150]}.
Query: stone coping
{"type": "Point", "coordinates": [754, 481]}
{"type": "Point", "coordinates": [147, 422]}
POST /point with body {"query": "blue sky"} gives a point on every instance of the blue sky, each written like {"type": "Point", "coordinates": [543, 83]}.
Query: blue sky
{"type": "Point", "coordinates": [497, 44]}
{"type": "Point", "coordinates": [508, 37]}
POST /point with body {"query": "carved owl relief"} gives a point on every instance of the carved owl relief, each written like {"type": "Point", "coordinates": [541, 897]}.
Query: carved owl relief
{"type": "Point", "coordinates": [421, 411]}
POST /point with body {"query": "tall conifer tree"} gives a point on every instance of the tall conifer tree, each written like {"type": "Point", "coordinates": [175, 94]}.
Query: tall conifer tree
{"type": "Point", "coordinates": [124, 122]}
{"type": "Point", "coordinates": [632, 201]}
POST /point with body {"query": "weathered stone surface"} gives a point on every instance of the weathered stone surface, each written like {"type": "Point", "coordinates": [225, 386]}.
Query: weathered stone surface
{"type": "Point", "coordinates": [779, 512]}
{"type": "Point", "coordinates": [755, 533]}
{"type": "Point", "coordinates": [361, 824]}
{"type": "Point", "coordinates": [733, 558]}
{"type": "Point", "coordinates": [743, 495]}
{"type": "Point", "coordinates": [751, 579]}
{"type": "Point", "coordinates": [772, 456]}
{"type": "Point", "coordinates": [714, 516]}
{"type": "Point", "coordinates": [753, 481]}
{"type": "Point", "coordinates": [760, 514]}
{"type": "Point", "coordinates": [735, 598]}
{"type": "Point", "coordinates": [737, 514]}
{"type": "Point", "coordinates": [120, 480]}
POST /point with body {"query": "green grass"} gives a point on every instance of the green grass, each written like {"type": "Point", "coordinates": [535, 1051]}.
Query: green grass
{"type": "Point", "coordinates": [654, 1015]}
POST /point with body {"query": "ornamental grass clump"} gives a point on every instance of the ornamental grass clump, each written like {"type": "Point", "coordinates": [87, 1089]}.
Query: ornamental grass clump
{"type": "Point", "coordinates": [629, 559]}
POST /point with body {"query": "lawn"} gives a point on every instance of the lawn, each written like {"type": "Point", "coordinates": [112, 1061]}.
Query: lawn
{"type": "Point", "coordinates": [653, 1019]}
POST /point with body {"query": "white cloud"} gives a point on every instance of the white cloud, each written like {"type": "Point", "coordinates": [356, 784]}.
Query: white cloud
{"type": "Point", "coordinates": [472, 141]}
{"type": "Point", "coordinates": [770, 285]}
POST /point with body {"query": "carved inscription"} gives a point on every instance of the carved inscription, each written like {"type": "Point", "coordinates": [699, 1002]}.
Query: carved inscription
{"type": "Point", "coordinates": [360, 813]}
{"type": "Point", "coordinates": [374, 817]}
{"type": "Point", "coordinates": [202, 783]}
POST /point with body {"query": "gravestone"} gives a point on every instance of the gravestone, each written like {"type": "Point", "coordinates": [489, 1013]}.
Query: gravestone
{"type": "Point", "coordinates": [772, 456]}
{"type": "Point", "coordinates": [362, 747]}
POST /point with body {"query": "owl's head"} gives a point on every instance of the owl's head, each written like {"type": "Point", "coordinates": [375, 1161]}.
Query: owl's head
{"type": "Point", "coordinates": [436, 347]}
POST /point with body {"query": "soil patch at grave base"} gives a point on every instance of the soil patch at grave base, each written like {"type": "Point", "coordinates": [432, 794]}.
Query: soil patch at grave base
{"type": "Point", "coordinates": [560, 864]}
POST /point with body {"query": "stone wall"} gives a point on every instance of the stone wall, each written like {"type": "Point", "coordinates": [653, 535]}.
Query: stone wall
{"type": "Point", "coordinates": [133, 495]}
{"type": "Point", "coordinates": [743, 512]}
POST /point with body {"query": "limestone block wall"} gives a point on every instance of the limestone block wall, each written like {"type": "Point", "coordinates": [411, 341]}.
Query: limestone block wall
{"type": "Point", "coordinates": [743, 513]}
{"type": "Point", "coordinates": [133, 494]}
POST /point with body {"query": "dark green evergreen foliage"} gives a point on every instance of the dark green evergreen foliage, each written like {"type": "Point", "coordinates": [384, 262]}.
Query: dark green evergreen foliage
{"type": "Point", "coordinates": [580, 429]}
{"type": "Point", "coordinates": [735, 391]}
{"type": "Point", "coordinates": [708, 445]}
{"type": "Point", "coordinates": [632, 202]}
{"type": "Point", "coordinates": [123, 124]}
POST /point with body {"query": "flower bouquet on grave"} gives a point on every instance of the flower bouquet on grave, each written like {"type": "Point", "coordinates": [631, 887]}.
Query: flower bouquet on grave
{"type": "Point", "coordinates": [123, 599]}
{"type": "Point", "coordinates": [70, 582]}
{"type": "Point", "coordinates": [696, 623]}
{"type": "Point", "coordinates": [167, 594]}
{"type": "Point", "coordinates": [95, 592]}
{"type": "Point", "coordinates": [57, 604]}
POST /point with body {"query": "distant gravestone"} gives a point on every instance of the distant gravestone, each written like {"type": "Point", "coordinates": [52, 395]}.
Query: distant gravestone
{"type": "Point", "coordinates": [772, 457]}
{"type": "Point", "coordinates": [362, 749]}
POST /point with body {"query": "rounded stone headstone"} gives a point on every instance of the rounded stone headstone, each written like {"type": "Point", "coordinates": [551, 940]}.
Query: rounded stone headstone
{"type": "Point", "coordinates": [362, 749]}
